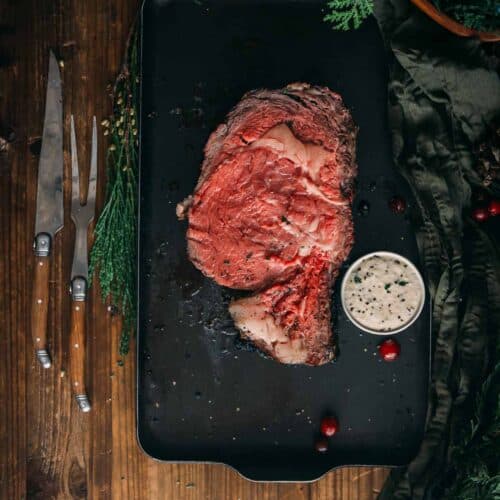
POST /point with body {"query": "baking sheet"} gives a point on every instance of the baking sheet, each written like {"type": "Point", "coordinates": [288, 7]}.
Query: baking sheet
{"type": "Point", "coordinates": [202, 394]}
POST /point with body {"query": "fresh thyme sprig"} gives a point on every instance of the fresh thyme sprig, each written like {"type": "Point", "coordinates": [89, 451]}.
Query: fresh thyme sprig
{"type": "Point", "coordinates": [113, 255]}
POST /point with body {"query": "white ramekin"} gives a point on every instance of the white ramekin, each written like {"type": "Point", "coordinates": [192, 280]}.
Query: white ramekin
{"type": "Point", "coordinates": [383, 253]}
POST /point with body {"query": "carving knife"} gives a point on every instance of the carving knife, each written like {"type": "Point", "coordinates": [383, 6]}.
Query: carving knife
{"type": "Point", "coordinates": [49, 208]}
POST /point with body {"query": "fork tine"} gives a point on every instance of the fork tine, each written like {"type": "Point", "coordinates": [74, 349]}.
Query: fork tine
{"type": "Point", "coordinates": [75, 176]}
{"type": "Point", "coordinates": [93, 167]}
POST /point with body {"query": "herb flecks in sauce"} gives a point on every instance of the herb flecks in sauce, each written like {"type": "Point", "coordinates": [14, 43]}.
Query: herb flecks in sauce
{"type": "Point", "coordinates": [387, 296]}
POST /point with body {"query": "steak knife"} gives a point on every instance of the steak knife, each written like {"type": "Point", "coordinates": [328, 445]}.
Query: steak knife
{"type": "Point", "coordinates": [49, 208]}
{"type": "Point", "coordinates": [82, 215]}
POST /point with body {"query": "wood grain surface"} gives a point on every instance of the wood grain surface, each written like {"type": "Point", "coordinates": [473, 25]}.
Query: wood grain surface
{"type": "Point", "coordinates": [77, 344]}
{"type": "Point", "coordinates": [48, 449]}
{"type": "Point", "coordinates": [40, 302]}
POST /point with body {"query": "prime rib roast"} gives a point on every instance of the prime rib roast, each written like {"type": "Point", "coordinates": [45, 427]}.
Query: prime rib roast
{"type": "Point", "coordinates": [271, 214]}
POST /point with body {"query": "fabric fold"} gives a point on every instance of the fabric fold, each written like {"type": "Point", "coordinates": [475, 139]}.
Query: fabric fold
{"type": "Point", "coordinates": [442, 96]}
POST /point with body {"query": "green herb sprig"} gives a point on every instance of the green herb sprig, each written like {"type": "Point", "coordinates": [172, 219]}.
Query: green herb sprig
{"type": "Point", "coordinates": [348, 14]}
{"type": "Point", "coordinates": [477, 455]}
{"type": "Point", "coordinates": [113, 255]}
{"type": "Point", "coordinates": [482, 15]}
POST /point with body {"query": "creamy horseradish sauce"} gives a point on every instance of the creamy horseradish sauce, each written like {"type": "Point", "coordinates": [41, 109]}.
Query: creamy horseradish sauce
{"type": "Point", "coordinates": [383, 293]}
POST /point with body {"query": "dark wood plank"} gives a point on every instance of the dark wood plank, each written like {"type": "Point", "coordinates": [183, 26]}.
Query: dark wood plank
{"type": "Point", "coordinates": [48, 449]}
{"type": "Point", "coordinates": [13, 219]}
{"type": "Point", "coordinates": [361, 483]}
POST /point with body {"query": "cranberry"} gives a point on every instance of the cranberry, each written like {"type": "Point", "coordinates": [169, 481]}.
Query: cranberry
{"type": "Point", "coordinates": [494, 207]}
{"type": "Point", "coordinates": [321, 445]}
{"type": "Point", "coordinates": [397, 204]}
{"type": "Point", "coordinates": [480, 214]}
{"type": "Point", "coordinates": [329, 426]}
{"type": "Point", "coordinates": [389, 350]}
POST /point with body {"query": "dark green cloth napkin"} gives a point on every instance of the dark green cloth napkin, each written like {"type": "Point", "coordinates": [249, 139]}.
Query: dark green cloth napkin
{"type": "Point", "coordinates": [443, 93]}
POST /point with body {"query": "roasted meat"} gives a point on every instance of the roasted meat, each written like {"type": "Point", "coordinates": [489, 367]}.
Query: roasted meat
{"type": "Point", "coordinates": [271, 213]}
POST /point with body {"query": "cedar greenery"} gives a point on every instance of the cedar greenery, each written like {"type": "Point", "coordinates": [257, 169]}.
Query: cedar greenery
{"type": "Point", "coordinates": [477, 456]}
{"type": "Point", "coordinates": [347, 14]}
{"type": "Point", "coordinates": [482, 15]}
{"type": "Point", "coordinates": [113, 255]}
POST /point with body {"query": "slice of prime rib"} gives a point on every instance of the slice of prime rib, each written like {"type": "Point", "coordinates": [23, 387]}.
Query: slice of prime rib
{"type": "Point", "coordinates": [271, 213]}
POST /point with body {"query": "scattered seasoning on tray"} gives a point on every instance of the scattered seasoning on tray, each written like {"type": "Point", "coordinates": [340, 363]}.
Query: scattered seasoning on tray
{"type": "Point", "coordinates": [389, 350]}
{"type": "Point", "coordinates": [329, 426]}
{"type": "Point", "coordinates": [397, 205]}
{"type": "Point", "coordinates": [363, 208]}
{"type": "Point", "coordinates": [321, 445]}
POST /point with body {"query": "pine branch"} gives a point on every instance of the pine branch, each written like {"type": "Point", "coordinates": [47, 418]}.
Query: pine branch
{"type": "Point", "coordinates": [348, 14]}
{"type": "Point", "coordinates": [476, 457]}
{"type": "Point", "coordinates": [113, 255]}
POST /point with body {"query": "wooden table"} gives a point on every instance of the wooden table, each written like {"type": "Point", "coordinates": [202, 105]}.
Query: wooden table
{"type": "Point", "coordinates": [48, 449]}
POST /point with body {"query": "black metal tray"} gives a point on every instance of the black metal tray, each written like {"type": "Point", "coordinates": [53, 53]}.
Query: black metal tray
{"type": "Point", "coordinates": [202, 394]}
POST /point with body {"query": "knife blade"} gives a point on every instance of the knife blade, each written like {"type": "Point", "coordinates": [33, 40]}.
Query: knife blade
{"type": "Point", "coordinates": [49, 199]}
{"type": "Point", "coordinates": [49, 207]}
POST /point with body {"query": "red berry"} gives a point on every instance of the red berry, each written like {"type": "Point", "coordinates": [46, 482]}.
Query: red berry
{"type": "Point", "coordinates": [329, 426]}
{"type": "Point", "coordinates": [494, 207]}
{"type": "Point", "coordinates": [321, 445]}
{"type": "Point", "coordinates": [480, 214]}
{"type": "Point", "coordinates": [389, 350]}
{"type": "Point", "coordinates": [397, 205]}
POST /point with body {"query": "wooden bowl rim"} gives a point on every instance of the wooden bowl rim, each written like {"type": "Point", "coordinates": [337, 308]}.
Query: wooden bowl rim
{"type": "Point", "coordinates": [451, 25]}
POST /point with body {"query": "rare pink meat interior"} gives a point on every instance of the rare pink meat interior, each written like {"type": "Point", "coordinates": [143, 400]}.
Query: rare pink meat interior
{"type": "Point", "coordinates": [271, 214]}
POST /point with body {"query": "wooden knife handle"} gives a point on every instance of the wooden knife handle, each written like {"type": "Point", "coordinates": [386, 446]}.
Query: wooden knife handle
{"type": "Point", "coordinates": [77, 340]}
{"type": "Point", "coordinates": [40, 299]}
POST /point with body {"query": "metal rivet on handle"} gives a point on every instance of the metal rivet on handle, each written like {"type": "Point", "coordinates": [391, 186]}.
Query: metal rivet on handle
{"type": "Point", "coordinates": [83, 402]}
{"type": "Point", "coordinates": [43, 357]}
